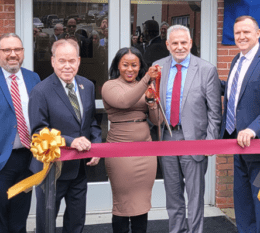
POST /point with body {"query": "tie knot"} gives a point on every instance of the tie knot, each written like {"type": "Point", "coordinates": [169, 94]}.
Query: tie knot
{"type": "Point", "coordinates": [242, 59]}
{"type": "Point", "coordinates": [178, 66]}
{"type": "Point", "coordinates": [70, 86]}
{"type": "Point", "coordinates": [13, 77]}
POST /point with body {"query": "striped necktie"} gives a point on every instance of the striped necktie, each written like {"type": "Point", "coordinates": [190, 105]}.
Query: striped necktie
{"type": "Point", "coordinates": [74, 100]}
{"type": "Point", "coordinates": [231, 119]}
{"type": "Point", "coordinates": [21, 124]}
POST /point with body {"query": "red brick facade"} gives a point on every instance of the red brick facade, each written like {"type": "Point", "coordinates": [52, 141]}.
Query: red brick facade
{"type": "Point", "coordinates": [224, 163]}
{"type": "Point", "coordinates": [225, 54]}
{"type": "Point", "coordinates": [7, 16]}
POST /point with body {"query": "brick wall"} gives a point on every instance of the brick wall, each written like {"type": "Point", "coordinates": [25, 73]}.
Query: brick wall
{"type": "Point", "coordinates": [7, 16]}
{"type": "Point", "coordinates": [224, 163]}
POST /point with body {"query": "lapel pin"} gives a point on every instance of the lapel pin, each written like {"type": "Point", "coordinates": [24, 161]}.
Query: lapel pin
{"type": "Point", "coordinates": [81, 86]}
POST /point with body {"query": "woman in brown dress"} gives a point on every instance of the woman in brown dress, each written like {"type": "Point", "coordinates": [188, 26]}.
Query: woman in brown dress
{"type": "Point", "coordinates": [127, 103]}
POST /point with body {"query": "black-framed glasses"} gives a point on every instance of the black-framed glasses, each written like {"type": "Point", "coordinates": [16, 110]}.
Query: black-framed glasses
{"type": "Point", "coordinates": [17, 51]}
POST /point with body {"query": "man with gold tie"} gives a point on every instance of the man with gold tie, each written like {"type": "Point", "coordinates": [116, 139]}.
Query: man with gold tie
{"type": "Point", "coordinates": [66, 101]}
{"type": "Point", "coordinates": [15, 85]}
{"type": "Point", "coordinates": [191, 98]}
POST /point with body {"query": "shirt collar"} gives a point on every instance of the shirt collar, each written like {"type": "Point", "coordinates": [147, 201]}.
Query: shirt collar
{"type": "Point", "coordinates": [7, 74]}
{"type": "Point", "coordinates": [64, 84]}
{"type": "Point", "coordinates": [251, 54]}
{"type": "Point", "coordinates": [184, 63]}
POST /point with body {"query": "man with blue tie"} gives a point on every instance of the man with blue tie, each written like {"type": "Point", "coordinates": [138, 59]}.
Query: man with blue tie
{"type": "Point", "coordinates": [15, 85]}
{"type": "Point", "coordinates": [241, 120]}
{"type": "Point", "coordinates": [190, 94]}
{"type": "Point", "coordinates": [66, 101]}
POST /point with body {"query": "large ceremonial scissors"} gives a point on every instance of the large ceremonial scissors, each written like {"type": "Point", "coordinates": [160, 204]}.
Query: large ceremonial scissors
{"type": "Point", "coordinates": [157, 99]}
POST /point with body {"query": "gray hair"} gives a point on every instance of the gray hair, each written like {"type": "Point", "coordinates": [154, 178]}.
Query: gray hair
{"type": "Point", "coordinates": [60, 42]}
{"type": "Point", "coordinates": [176, 28]}
{"type": "Point", "coordinates": [164, 23]}
{"type": "Point", "coordinates": [95, 33]}
{"type": "Point", "coordinates": [58, 24]}
{"type": "Point", "coordinates": [7, 35]}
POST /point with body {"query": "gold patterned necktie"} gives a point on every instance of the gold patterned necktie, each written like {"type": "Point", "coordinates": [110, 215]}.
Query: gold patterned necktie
{"type": "Point", "coordinates": [74, 100]}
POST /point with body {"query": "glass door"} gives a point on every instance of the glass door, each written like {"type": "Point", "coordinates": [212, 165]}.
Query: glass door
{"type": "Point", "coordinates": [108, 25]}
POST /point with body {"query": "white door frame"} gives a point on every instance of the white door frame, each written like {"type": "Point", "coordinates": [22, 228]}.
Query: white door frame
{"type": "Point", "coordinates": [119, 36]}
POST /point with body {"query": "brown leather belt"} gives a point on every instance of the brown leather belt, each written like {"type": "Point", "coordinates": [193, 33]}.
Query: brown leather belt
{"type": "Point", "coordinates": [176, 127]}
{"type": "Point", "coordinates": [141, 120]}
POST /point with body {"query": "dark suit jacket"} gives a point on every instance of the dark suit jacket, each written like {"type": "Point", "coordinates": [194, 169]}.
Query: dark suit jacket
{"type": "Point", "coordinates": [49, 106]}
{"type": "Point", "coordinates": [248, 106]}
{"type": "Point", "coordinates": [8, 123]}
{"type": "Point", "coordinates": [155, 51]}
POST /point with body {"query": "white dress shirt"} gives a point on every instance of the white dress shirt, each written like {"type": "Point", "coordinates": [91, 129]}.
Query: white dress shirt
{"type": "Point", "coordinates": [245, 65]}
{"type": "Point", "coordinates": [24, 101]}
{"type": "Point", "coordinates": [76, 89]}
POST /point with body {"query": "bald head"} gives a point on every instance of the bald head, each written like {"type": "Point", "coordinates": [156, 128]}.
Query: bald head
{"type": "Point", "coordinates": [71, 26]}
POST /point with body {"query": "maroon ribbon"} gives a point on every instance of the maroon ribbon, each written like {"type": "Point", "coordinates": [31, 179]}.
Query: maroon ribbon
{"type": "Point", "coordinates": [164, 148]}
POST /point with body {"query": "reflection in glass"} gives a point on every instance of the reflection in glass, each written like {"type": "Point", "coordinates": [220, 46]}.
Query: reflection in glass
{"type": "Point", "coordinates": [172, 12]}
{"type": "Point", "coordinates": [149, 22]}
{"type": "Point", "coordinates": [85, 21]}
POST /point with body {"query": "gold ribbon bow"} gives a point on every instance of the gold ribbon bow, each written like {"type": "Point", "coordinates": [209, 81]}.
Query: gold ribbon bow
{"type": "Point", "coordinates": [45, 147]}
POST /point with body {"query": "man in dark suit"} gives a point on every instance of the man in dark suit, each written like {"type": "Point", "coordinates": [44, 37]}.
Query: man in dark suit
{"type": "Point", "coordinates": [190, 94]}
{"type": "Point", "coordinates": [241, 119]}
{"type": "Point", "coordinates": [154, 49]}
{"type": "Point", "coordinates": [85, 44]}
{"type": "Point", "coordinates": [15, 155]}
{"type": "Point", "coordinates": [66, 101]}
{"type": "Point", "coordinates": [58, 30]}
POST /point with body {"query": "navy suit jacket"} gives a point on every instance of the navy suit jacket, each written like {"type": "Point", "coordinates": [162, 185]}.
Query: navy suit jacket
{"type": "Point", "coordinates": [248, 106]}
{"type": "Point", "coordinates": [49, 106]}
{"type": "Point", "coordinates": [8, 123]}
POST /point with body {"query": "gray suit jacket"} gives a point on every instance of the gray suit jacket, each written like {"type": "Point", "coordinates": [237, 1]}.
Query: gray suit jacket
{"type": "Point", "coordinates": [201, 103]}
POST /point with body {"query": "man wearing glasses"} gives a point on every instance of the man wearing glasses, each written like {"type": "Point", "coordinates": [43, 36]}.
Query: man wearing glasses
{"type": "Point", "coordinates": [15, 85]}
{"type": "Point", "coordinates": [84, 43]}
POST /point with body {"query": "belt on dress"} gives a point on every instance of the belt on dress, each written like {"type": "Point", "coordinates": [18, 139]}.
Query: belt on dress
{"type": "Point", "coordinates": [140, 120]}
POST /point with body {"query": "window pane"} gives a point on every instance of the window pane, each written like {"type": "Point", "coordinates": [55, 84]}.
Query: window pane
{"type": "Point", "coordinates": [87, 23]}
{"type": "Point", "coordinates": [148, 15]}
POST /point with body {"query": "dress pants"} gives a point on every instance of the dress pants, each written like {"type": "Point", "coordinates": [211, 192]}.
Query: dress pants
{"type": "Point", "coordinates": [182, 172]}
{"type": "Point", "coordinates": [247, 206]}
{"type": "Point", "coordinates": [14, 212]}
{"type": "Point", "coordinates": [74, 192]}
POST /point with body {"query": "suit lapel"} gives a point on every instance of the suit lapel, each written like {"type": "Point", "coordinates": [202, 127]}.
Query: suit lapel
{"type": "Point", "coordinates": [164, 80]}
{"type": "Point", "coordinates": [27, 80]}
{"type": "Point", "coordinates": [4, 87]}
{"type": "Point", "coordinates": [58, 88]}
{"type": "Point", "coordinates": [189, 79]}
{"type": "Point", "coordinates": [249, 73]}
{"type": "Point", "coordinates": [82, 93]}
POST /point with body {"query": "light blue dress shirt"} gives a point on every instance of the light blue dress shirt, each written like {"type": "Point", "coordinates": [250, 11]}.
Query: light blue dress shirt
{"type": "Point", "coordinates": [173, 71]}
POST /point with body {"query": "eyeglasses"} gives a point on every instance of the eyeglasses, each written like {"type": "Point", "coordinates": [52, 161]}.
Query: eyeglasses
{"type": "Point", "coordinates": [17, 51]}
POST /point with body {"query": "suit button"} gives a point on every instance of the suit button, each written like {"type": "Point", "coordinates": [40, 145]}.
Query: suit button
{"type": "Point", "coordinates": [14, 126]}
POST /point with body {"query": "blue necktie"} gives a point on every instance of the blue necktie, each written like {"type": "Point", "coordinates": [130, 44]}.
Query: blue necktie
{"type": "Point", "coordinates": [231, 119]}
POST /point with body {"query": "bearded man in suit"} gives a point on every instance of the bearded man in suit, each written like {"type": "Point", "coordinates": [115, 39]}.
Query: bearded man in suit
{"type": "Point", "coordinates": [190, 93]}
{"type": "Point", "coordinates": [66, 101]}
{"type": "Point", "coordinates": [16, 84]}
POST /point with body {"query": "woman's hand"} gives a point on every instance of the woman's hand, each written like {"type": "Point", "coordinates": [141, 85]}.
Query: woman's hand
{"type": "Point", "coordinates": [150, 94]}
{"type": "Point", "coordinates": [154, 71]}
